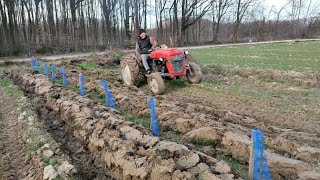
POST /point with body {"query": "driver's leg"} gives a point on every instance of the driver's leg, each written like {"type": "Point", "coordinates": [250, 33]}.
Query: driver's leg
{"type": "Point", "coordinates": [144, 58]}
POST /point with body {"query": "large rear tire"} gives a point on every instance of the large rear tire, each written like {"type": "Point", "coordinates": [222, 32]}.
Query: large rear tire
{"type": "Point", "coordinates": [130, 71]}
{"type": "Point", "coordinates": [195, 76]}
{"type": "Point", "coordinates": [156, 84]}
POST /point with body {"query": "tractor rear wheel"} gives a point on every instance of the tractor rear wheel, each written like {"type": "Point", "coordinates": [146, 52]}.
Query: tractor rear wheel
{"type": "Point", "coordinates": [194, 76]}
{"type": "Point", "coordinates": [130, 71]}
{"type": "Point", "coordinates": [156, 83]}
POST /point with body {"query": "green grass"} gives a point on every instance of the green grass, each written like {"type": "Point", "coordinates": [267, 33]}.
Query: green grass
{"type": "Point", "coordinates": [95, 96]}
{"type": "Point", "coordinates": [7, 63]}
{"type": "Point", "coordinates": [10, 88]}
{"type": "Point", "coordinates": [113, 68]}
{"type": "Point", "coordinates": [235, 166]}
{"type": "Point", "coordinates": [142, 120]}
{"type": "Point", "coordinates": [117, 56]}
{"type": "Point", "coordinates": [87, 66]}
{"type": "Point", "coordinates": [50, 161]}
{"type": "Point", "coordinates": [202, 143]}
{"type": "Point", "coordinates": [70, 86]}
{"type": "Point", "coordinates": [303, 56]}
{"type": "Point", "coordinates": [5, 82]}
{"type": "Point", "coordinates": [36, 144]}
{"type": "Point", "coordinates": [49, 69]}
{"type": "Point", "coordinates": [59, 81]}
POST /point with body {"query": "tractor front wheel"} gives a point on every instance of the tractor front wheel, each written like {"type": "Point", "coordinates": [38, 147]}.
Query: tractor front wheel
{"type": "Point", "coordinates": [156, 83]}
{"type": "Point", "coordinates": [194, 73]}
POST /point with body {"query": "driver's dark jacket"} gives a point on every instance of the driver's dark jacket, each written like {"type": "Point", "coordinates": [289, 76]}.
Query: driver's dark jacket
{"type": "Point", "coordinates": [144, 45]}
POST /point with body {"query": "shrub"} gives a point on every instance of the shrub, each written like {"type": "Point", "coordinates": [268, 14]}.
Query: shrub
{"type": "Point", "coordinates": [44, 50]}
{"type": "Point", "coordinates": [117, 56]}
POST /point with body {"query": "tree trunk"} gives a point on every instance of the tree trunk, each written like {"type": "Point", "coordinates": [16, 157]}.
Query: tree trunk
{"type": "Point", "coordinates": [65, 18]}
{"type": "Point", "coordinates": [127, 18]}
{"type": "Point", "coordinates": [73, 8]}
{"type": "Point", "coordinates": [106, 7]}
{"type": "Point", "coordinates": [23, 21]}
{"type": "Point", "coordinates": [83, 26]}
{"type": "Point", "coordinates": [16, 27]}
{"type": "Point", "coordinates": [52, 31]}
{"type": "Point", "coordinates": [10, 8]}
{"type": "Point", "coordinates": [6, 32]}
{"type": "Point", "coordinates": [30, 23]}
{"type": "Point", "coordinates": [36, 29]}
{"type": "Point", "coordinates": [136, 16]}
{"type": "Point", "coordinates": [57, 33]}
{"type": "Point", "coordinates": [145, 14]}
{"type": "Point", "coordinates": [176, 21]}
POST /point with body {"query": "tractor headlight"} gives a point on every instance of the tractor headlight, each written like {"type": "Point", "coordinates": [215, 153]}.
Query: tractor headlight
{"type": "Point", "coordinates": [186, 52]}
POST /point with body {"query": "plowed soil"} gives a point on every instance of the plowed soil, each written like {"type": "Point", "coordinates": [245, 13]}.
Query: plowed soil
{"type": "Point", "coordinates": [283, 104]}
{"type": "Point", "coordinates": [15, 162]}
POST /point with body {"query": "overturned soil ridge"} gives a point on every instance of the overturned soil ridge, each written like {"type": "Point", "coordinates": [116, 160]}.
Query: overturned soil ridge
{"type": "Point", "coordinates": [290, 155]}
{"type": "Point", "coordinates": [128, 150]}
{"type": "Point", "coordinates": [87, 164]}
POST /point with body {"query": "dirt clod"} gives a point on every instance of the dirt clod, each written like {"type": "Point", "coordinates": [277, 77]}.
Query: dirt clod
{"type": "Point", "coordinates": [204, 133]}
{"type": "Point", "coordinates": [222, 167]}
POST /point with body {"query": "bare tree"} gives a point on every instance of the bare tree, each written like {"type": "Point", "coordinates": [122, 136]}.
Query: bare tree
{"type": "Point", "coordinates": [66, 25]}
{"type": "Point", "coordinates": [160, 6]}
{"type": "Point", "coordinates": [198, 8]}
{"type": "Point", "coordinates": [52, 30]}
{"type": "Point", "coordinates": [73, 7]}
{"type": "Point", "coordinates": [241, 9]}
{"type": "Point", "coordinates": [127, 18]}
{"type": "Point", "coordinates": [219, 9]}
{"type": "Point", "coordinates": [6, 32]}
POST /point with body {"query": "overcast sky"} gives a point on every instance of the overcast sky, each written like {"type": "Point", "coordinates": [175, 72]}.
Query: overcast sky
{"type": "Point", "coordinates": [267, 4]}
{"type": "Point", "coordinates": [276, 3]}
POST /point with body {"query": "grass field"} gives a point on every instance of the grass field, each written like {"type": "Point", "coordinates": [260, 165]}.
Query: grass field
{"type": "Point", "coordinates": [299, 56]}
{"type": "Point", "coordinates": [243, 79]}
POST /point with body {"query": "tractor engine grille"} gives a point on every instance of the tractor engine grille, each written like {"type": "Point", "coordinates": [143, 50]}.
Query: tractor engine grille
{"type": "Point", "coordinates": [177, 62]}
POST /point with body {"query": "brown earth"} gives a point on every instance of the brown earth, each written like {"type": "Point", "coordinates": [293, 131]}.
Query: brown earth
{"type": "Point", "coordinates": [231, 107]}
{"type": "Point", "coordinates": [15, 161]}
{"type": "Point", "coordinates": [187, 107]}
{"type": "Point", "coordinates": [226, 100]}
{"type": "Point", "coordinates": [128, 150]}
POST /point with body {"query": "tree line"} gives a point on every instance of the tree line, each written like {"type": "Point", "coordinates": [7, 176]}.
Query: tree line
{"type": "Point", "coordinates": [82, 25]}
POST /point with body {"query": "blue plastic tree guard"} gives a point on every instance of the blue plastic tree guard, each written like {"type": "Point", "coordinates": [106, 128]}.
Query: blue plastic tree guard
{"type": "Point", "coordinates": [110, 101]}
{"type": "Point", "coordinates": [154, 120]}
{"type": "Point", "coordinates": [46, 70]}
{"type": "Point", "coordinates": [260, 163]}
{"type": "Point", "coordinates": [37, 63]}
{"type": "Point", "coordinates": [64, 76]}
{"type": "Point", "coordinates": [33, 64]}
{"type": "Point", "coordinates": [82, 85]}
{"type": "Point", "coordinates": [53, 72]}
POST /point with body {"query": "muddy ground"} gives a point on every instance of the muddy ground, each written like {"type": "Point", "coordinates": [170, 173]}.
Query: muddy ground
{"type": "Point", "coordinates": [33, 140]}
{"type": "Point", "coordinates": [15, 162]}
{"type": "Point", "coordinates": [269, 99]}
{"type": "Point", "coordinates": [284, 105]}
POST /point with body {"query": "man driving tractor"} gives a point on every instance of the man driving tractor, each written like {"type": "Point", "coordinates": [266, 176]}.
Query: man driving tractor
{"type": "Point", "coordinates": [157, 65]}
{"type": "Point", "coordinates": [144, 45]}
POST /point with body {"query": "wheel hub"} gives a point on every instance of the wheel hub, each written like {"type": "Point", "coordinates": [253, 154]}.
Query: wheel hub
{"type": "Point", "coordinates": [154, 85]}
{"type": "Point", "coordinates": [126, 75]}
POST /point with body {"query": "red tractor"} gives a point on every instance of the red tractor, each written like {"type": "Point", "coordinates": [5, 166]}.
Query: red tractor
{"type": "Point", "coordinates": [165, 63]}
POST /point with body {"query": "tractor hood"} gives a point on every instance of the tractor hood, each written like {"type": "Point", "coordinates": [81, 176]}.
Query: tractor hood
{"type": "Point", "coordinates": [166, 53]}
